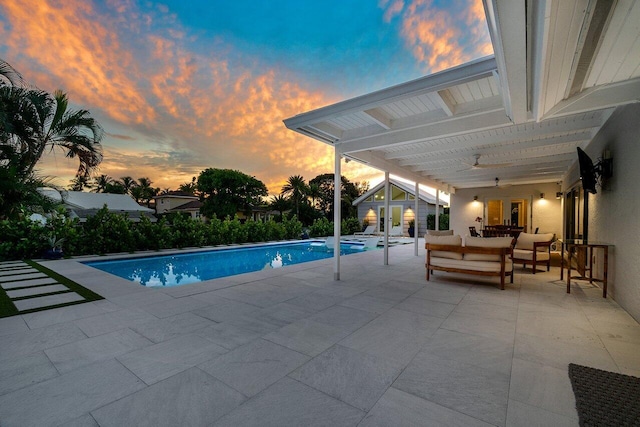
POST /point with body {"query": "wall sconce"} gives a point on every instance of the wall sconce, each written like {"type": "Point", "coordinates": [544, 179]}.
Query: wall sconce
{"type": "Point", "coordinates": [497, 181]}
{"type": "Point", "coordinates": [475, 198]}
{"type": "Point", "coordinates": [559, 195]}
{"type": "Point", "coordinates": [542, 195]}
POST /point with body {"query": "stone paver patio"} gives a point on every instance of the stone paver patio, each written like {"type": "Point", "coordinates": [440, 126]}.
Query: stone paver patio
{"type": "Point", "coordinates": [293, 347]}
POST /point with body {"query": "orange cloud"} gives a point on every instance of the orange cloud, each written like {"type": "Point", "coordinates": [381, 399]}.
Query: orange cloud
{"type": "Point", "coordinates": [440, 38]}
{"type": "Point", "coordinates": [79, 53]}
{"type": "Point", "coordinates": [176, 111]}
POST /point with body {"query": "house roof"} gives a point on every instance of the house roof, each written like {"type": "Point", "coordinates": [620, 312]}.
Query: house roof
{"type": "Point", "coordinates": [83, 200]}
{"type": "Point", "coordinates": [176, 194]}
{"type": "Point", "coordinates": [424, 196]}
{"type": "Point", "coordinates": [192, 205]}
{"type": "Point", "coordinates": [559, 71]}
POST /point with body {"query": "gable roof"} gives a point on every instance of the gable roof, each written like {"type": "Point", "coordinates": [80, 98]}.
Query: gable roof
{"type": "Point", "coordinates": [192, 205]}
{"type": "Point", "coordinates": [558, 73]}
{"type": "Point", "coordinates": [84, 200]}
{"type": "Point", "coordinates": [424, 196]}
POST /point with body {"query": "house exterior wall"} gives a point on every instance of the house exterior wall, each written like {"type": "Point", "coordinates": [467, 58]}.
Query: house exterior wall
{"type": "Point", "coordinates": [369, 211]}
{"type": "Point", "coordinates": [614, 212]}
{"type": "Point", "coordinates": [546, 214]}
{"type": "Point", "coordinates": [165, 204]}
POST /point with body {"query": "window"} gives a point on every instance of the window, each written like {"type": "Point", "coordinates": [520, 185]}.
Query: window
{"type": "Point", "coordinates": [379, 196]}
{"type": "Point", "coordinates": [397, 194]}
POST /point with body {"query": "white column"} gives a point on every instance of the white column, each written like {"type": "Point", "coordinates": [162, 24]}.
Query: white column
{"type": "Point", "coordinates": [416, 228]}
{"type": "Point", "coordinates": [336, 216]}
{"type": "Point", "coordinates": [437, 209]}
{"type": "Point", "coordinates": [387, 217]}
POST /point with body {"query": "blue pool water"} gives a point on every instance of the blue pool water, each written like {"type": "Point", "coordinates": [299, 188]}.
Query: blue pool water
{"type": "Point", "coordinates": [182, 269]}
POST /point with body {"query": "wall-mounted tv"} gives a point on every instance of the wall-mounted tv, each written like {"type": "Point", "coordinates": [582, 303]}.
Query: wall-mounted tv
{"type": "Point", "coordinates": [587, 172]}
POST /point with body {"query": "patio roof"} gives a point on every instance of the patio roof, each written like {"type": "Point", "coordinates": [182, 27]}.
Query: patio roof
{"type": "Point", "coordinates": [559, 71]}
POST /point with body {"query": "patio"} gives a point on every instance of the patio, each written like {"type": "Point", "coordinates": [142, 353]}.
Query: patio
{"type": "Point", "coordinates": [292, 346]}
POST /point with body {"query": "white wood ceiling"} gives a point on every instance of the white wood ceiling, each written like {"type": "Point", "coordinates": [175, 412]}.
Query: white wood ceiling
{"type": "Point", "coordinates": [431, 130]}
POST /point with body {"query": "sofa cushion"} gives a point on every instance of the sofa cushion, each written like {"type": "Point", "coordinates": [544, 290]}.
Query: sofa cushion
{"type": "Point", "coordinates": [486, 242]}
{"type": "Point", "coordinates": [486, 266]}
{"type": "Point", "coordinates": [525, 240]}
{"type": "Point", "coordinates": [527, 255]}
{"type": "Point", "coordinates": [439, 233]}
{"type": "Point", "coordinates": [444, 240]}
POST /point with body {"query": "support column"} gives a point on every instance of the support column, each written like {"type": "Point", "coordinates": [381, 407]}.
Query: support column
{"type": "Point", "coordinates": [416, 228]}
{"type": "Point", "coordinates": [387, 217]}
{"type": "Point", "coordinates": [337, 205]}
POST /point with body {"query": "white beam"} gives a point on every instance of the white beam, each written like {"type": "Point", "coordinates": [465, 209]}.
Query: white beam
{"type": "Point", "coordinates": [445, 101]}
{"type": "Point", "coordinates": [387, 216]}
{"type": "Point", "coordinates": [337, 204]}
{"type": "Point", "coordinates": [326, 128]}
{"type": "Point", "coordinates": [508, 31]}
{"type": "Point", "coordinates": [375, 161]}
{"type": "Point", "coordinates": [456, 125]}
{"type": "Point", "coordinates": [464, 73]}
{"type": "Point", "coordinates": [416, 228]}
{"type": "Point", "coordinates": [379, 117]}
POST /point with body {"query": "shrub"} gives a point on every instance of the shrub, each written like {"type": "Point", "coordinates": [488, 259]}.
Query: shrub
{"type": "Point", "coordinates": [321, 227]}
{"type": "Point", "coordinates": [443, 222]}
{"type": "Point", "coordinates": [350, 226]}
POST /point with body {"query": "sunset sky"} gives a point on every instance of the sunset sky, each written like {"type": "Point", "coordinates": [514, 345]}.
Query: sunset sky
{"type": "Point", "coordinates": [180, 86]}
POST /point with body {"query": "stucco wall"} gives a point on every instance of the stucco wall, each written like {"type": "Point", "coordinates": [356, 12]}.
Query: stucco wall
{"type": "Point", "coordinates": [614, 212]}
{"type": "Point", "coordinates": [546, 213]}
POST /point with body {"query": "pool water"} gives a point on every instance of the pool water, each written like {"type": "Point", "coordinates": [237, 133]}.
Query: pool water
{"type": "Point", "coordinates": [182, 269]}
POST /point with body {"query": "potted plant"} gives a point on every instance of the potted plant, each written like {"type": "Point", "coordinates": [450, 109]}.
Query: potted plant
{"type": "Point", "coordinates": [411, 228]}
{"type": "Point", "coordinates": [55, 248]}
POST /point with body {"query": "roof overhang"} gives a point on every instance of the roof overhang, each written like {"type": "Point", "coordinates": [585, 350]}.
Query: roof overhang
{"type": "Point", "coordinates": [518, 116]}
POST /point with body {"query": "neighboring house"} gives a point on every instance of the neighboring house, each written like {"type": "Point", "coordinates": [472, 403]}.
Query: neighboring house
{"type": "Point", "coordinates": [172, 200]}
{"type": "Point", "coordinates": [81, 205]}
{"type": "Point", "coordinates": [402, 204]}
{"type": "Point", "coordinates": [192, 208]}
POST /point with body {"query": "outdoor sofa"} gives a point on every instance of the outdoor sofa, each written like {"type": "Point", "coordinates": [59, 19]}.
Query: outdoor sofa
{"type": "Point", "coordinates": [479, 256]}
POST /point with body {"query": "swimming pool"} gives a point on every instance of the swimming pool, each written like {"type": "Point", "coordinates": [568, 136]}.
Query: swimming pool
{"type": "Point", "coordinates": [193, 267]}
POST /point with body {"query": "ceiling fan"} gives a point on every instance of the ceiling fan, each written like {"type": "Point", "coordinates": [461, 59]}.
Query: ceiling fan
{"type": "Point", "coordinates": [478, 165]}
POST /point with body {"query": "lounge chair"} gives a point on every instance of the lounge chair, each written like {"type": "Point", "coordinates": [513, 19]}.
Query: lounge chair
{"type": "Point", "coordinates": [371, 242]}
{"type": "Point", "coordinates": [369, 231]}
{"type": "Point", "coordinates": [396, 231]}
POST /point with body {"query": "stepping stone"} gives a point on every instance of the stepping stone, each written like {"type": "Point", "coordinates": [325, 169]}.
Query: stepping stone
{"type": "Point", "coordinates": [40, 302]}
{"type": "Point", "coordinates": [10, 263]}
{"type": "Point", "coordinates": [16, 272]}
{"type": "Point", "coordinates": [28, 283]}
{"type": "Point", "coordinates": [37, 275]}
{"type": "Point", "coordinates": [37, 290]}
{"type": "Point", "coordinates": [13, 267]}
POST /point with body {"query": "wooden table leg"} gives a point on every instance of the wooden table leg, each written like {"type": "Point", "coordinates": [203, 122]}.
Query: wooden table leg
{"type": "Point", "coordinates": [562, 261]}
{"type": "Point", "coordinates": [569, 270]}
{"type": "Point", "coordinates": [605, 268]}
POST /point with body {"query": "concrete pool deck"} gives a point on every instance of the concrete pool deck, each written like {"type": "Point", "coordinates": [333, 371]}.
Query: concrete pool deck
{"type": "Point", "coordinates": [290, 346]}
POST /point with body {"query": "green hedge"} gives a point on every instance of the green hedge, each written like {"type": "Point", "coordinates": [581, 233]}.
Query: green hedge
{"type": "Point", "coordinates": [108, 232]}
{"type": "Point", "coordinates": [443, 223]}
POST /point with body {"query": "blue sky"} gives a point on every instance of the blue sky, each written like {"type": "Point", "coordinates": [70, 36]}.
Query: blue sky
{"type": "Point", "coordinates": [180, 86]}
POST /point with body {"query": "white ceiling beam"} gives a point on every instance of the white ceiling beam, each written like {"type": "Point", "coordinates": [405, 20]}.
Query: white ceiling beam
{"type": "Point", "coordinates": [598, 97]}
{"type": "Point", "coordinates": [370, 159]}
{"type": "Point", "coordinates": [507, 29]}
{"type": "Point", "coordinates": [530, 159]}
{"type": "Point", "coordinates": [512, 136]}
{"type": "Point", "coordinates": [464, 73]}
{"type": "Point", "coordinates": [456, 125]}
{"type": "Point", "coordinates": [445, 101]}
{"type": "Point", "coordinates": [379, 117]}
{"type": "Point", "coordinates": [327, 129]}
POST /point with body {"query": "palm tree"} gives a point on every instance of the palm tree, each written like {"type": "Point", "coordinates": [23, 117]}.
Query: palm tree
{"type": "Point", "coordinates": [101, 183]}
{"type": "Point", "coordinates": [75, 132]}
{"type": "Point", "coordinates": [315, 193]}
{"type": "Point", "coordinates": [79, 183]}
{"type": "Point", "coordinates": [279, 203]}
{"type": "Point", "coordinates": [189, 187]}
{"type": "Point", "coordinates": [128, 183]}
{"type": "Point", "coordinates": [147, 190]}
{"type": "Point", "coordinates": [296, 189]}
{"type": "Point", "coordinates": [9, 76]}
